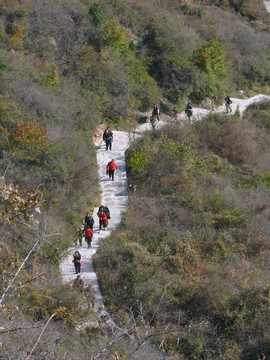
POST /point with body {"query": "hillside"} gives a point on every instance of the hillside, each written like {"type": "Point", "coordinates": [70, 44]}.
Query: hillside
{"type": "Point", "coordinates": [198, 224]}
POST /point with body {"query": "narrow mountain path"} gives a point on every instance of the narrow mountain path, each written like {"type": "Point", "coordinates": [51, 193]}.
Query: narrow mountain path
{"type": "Point", "coordinates": [267, 5]}
{"type": "Point", "coordinates": [115, 195]}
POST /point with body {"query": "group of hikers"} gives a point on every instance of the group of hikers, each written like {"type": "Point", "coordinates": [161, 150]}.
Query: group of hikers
{"type": "Point", "coordinates": [111, 166]}
{"type": "Point", "coordinates": [86, 231]}
{"type": "Point", "coordinates": [156, 113]}
{"type": "Point", "coordinates": [189, 109]}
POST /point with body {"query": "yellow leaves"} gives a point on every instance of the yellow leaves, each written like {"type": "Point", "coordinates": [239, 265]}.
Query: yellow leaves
{"type": "Point", "coordinates": [18, 36]}
{"type": "Point", "coordinates": [64, 314]}
{"type": "Point", "coordinates": [28, 142]}
{"type": "Point", "coordinates": [16, 202]}
{"type": "Point", "coordinates": [52, 76]}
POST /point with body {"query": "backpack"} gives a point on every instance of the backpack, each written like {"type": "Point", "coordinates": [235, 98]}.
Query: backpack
{"type": "Point", "coordinates": [107, 212]}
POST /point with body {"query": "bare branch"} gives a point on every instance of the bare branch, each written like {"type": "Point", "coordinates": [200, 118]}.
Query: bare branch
{"type": "Point", "coordinates": [20, 328]}
{"type": "Point", "coordinates": [42, 331]}
{"type": "Point", "coordinates": [17, 272]}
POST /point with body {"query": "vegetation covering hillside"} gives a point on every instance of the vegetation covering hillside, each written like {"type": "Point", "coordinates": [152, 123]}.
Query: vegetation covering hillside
{"type": "Point", "coordinates": [67, 66]}
{"type": "Point", "coordinates": [192, 253]}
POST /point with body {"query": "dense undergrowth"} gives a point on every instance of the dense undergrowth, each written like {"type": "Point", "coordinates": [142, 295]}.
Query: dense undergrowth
{"type": "Point", "coordinates": [68, 66]}
{"type": "Point", "coordinates": [193, 247]}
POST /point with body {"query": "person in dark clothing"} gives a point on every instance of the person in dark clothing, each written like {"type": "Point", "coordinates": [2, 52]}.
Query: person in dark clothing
{"type": "Point", "coordinates": [108, 138]}
{"type": "Point", "coordinates": [77, 261]}
{"type": "Point", "coordinates": [228, 103]}
{"type": "Point", "coordinates": [156, 112]}
{"type": "Point", "coordinates": [188, 110]}
{"type": "Point", "coordinates": [89, 220]}
{"type": "Point", "coordinates": [110, 132]}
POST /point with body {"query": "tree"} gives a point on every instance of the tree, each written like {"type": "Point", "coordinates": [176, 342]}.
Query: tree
{"type": "Point", "coordinates": [211, 59]}
{"type": "Point", "coordinates": [97, 15]}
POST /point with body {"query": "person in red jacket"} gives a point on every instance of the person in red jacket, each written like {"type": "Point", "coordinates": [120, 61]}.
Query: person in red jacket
{"type": "Point", "coordinates": [111, 166]}
{"type": "Point", "coordinates": [88, 234]}
{"type": "Point", "coordinates": [103, 220]}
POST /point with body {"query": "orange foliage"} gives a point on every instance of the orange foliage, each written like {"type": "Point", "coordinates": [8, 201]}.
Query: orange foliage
{"type": "Point", "coordinates": [29, 142]}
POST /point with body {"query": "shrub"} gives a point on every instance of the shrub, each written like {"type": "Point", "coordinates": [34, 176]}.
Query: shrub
{"type": "Point", "coordinates": [252, 9]}
{"type": "Point", "coordinates": [3, 66]}
{"type": "Point", "coordinates": [200, 12]}
{"type": "Point", "coordinates": [97, 15]}
{"type": "Point", "coordinates": [116, 36]}
{"type": "Point", "coordinates": [211, 58]}
{"type": "Point", "coordinates": [186, 9]}
{"type": "Point", "coordinates": [228, 139]}
{"type": "Point", "coordinates": [138, 160]}
{"type": "Point", "coordinates": [142, 86]}
{"type": "Point", "coordinates": [29, 142]}
{"type": "Point", "coordinates": [19, 34]}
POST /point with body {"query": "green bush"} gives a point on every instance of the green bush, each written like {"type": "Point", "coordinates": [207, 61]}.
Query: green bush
{"type": "Point", "coordinates": [138, 160]}
{"type": "Point", "coordinates": [3, 66]}
{"type": "Point", "coordinates": [211, 59]}
{"type": "Point", "coordinates": [97, 15]}
{"type": "Point", "coordinates": [143, 87]}
{"type": "Point", "coordinates": [200, 12]}
{"type": "Point", "coordinates": [116, 36]}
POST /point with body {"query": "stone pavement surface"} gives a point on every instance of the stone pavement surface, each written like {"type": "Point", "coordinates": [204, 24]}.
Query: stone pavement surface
{"type": "Point", "coordinates": [267, 5]}
{"type": "Point", "coordinates": [115, 195]}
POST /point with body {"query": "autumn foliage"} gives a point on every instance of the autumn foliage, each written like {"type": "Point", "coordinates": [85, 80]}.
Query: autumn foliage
{"type": "Point", "coordinates": [29, 142]}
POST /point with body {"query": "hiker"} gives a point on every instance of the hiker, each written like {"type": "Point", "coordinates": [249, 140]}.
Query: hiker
{"type": "Point", "coordinates": [78, 284]}
{"type": "Point", "coordinates": [109, 131]}
{"type": "Point", "coordinates": [188, 111]}
{"type": "Point", "coordinates": [156, 112]}
{"type": "Point", "coordinates": [175, 113]}
{"type": "Point", "coordinates": [89, 220]}
{"type": "Point", "coordinates": [79, 235]}
{"type": "Point", "coordinates": [88, 234]}
{"type": "Point", "coordinates": [111, 166]}
{"type": "Point", "coordinates": [103, 220]}
{"type": "Point", "coordinates": [152, 121]}
{"type": "Point", "coordinates": [108, 138]}
{"type": "Point", "coordinates": [228, 103]}
{"type": "Point", "coordinates": [106, 211]}
{"type": "Point", "coordinates": [77, 261]}
{"type": "Point", "coordinates": [90, 295]}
